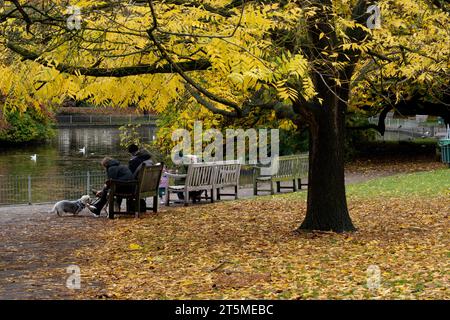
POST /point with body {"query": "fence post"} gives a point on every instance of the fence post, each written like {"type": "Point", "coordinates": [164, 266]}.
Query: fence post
{"type": "Point", "coordinates": [110, 119]}
{"type": "Point", "coordinates": [29, 189]}
{"type": "Point", "coordinates": [70, 119]}
{"type": "Point", "coordinates": [88, 183]}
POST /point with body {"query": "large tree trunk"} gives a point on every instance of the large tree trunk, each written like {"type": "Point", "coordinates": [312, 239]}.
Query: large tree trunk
{"type": "Point", "coordinates": [327, 204]}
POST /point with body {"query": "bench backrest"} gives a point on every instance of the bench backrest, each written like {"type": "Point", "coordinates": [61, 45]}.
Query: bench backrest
{"type": "Point", "coordinates": [200, 175]}
{"type": "Point", "coordinates": [228, 173]}
{"type": "Point", "coordinates": [148, 177]}
{"type": "Point", "coordinates": [295, 166]}
{"type": "Point", "coordinates": [292, 166]}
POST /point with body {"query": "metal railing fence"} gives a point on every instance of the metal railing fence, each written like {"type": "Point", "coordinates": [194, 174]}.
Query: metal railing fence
{"type": "Point", "coordinates": [28, 189]}
{"type": "Point", "coordinates": [99, 119]}
{"type": "Point", "coordinates": [401, 129]}
{"type": "Point", "coordinates": [41, 189]}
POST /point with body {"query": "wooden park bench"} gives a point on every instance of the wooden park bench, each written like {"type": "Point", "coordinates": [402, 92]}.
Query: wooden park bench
{"type": "Point", "coordinates": [199, 177]}
{"type": "Point", "coordinates": [283, 168]}
{"type": "Point", "coordinates": [146, 185]}
{"type": "Point", "coordinates": [210, 177]}
{"type": "Point", "coordinates": [228, 173]}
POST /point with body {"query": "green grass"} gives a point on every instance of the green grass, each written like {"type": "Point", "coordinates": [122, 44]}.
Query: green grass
{"type": "Point", "coordinates": [419, 184]}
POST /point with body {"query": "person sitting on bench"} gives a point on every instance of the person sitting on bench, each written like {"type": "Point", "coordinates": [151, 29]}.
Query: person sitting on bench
{"type": "Point", "coordinates": [138, 156]}
{"type": "Point", "coordinates": [115, 171]}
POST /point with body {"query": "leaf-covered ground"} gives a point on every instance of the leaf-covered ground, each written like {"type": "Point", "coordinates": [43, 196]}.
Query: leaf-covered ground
{"type": "Point", "coordinates": [247, 249]}
{"type": "Point", "coordinates": [36, 247]}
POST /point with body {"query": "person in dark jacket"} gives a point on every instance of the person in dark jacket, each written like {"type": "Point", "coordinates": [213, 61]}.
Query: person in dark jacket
{"type": "Point", "coordinates": [115, 171]}
{"type": "Point", "coordinates": [138, 156]}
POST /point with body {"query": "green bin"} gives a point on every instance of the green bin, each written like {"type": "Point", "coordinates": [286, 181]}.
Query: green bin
{"type": "Point", "coordinates": [445, 150]}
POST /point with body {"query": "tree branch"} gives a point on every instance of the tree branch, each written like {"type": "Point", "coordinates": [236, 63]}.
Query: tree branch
{"type": "Point", "coordinates": [180, 71]}
{"type": "Point", "coordinates": [24, 14]}
{"type": "Point", "coordinates": [208, 105]}
{"type": "Point", "coordinates": [196, 65]}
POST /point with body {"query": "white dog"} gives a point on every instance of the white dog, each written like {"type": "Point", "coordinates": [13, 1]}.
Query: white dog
{"type": "Point", "coordinates": [74, 207]}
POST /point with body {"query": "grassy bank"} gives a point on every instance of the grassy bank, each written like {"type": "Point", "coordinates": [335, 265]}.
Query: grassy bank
{"type": "Point", "coordinates": [419, 184]}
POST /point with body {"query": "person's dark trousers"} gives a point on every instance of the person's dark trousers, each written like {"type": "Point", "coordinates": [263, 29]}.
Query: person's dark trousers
{"type": "Point", "coordinates": [103, 199]}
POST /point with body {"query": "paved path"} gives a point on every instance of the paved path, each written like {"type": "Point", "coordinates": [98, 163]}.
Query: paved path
{"type": "Point", "coordinates": [33, 240]}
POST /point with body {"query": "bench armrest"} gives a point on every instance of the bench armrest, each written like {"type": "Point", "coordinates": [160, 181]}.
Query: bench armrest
{"type": "Point", "coordinates": [259, 167]}
{"type": "Point", "coordinates": [175, 175]}
{"type": "Point", "coordinates": [121, 182]}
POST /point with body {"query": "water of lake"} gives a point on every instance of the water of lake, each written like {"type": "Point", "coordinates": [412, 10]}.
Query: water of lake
{"type": "Point", "coordinates": [62, 155]}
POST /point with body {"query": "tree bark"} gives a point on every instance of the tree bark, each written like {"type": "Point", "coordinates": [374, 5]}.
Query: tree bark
{"type": "Point", "coordinates": [327, 204]}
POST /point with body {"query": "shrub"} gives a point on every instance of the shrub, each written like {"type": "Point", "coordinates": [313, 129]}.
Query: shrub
{"type": "Point", "coordinates": [22, 127]}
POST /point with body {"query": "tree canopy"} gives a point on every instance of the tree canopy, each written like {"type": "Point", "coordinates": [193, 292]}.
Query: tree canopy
{"type": "Point", "coordinates": [240, 56]}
